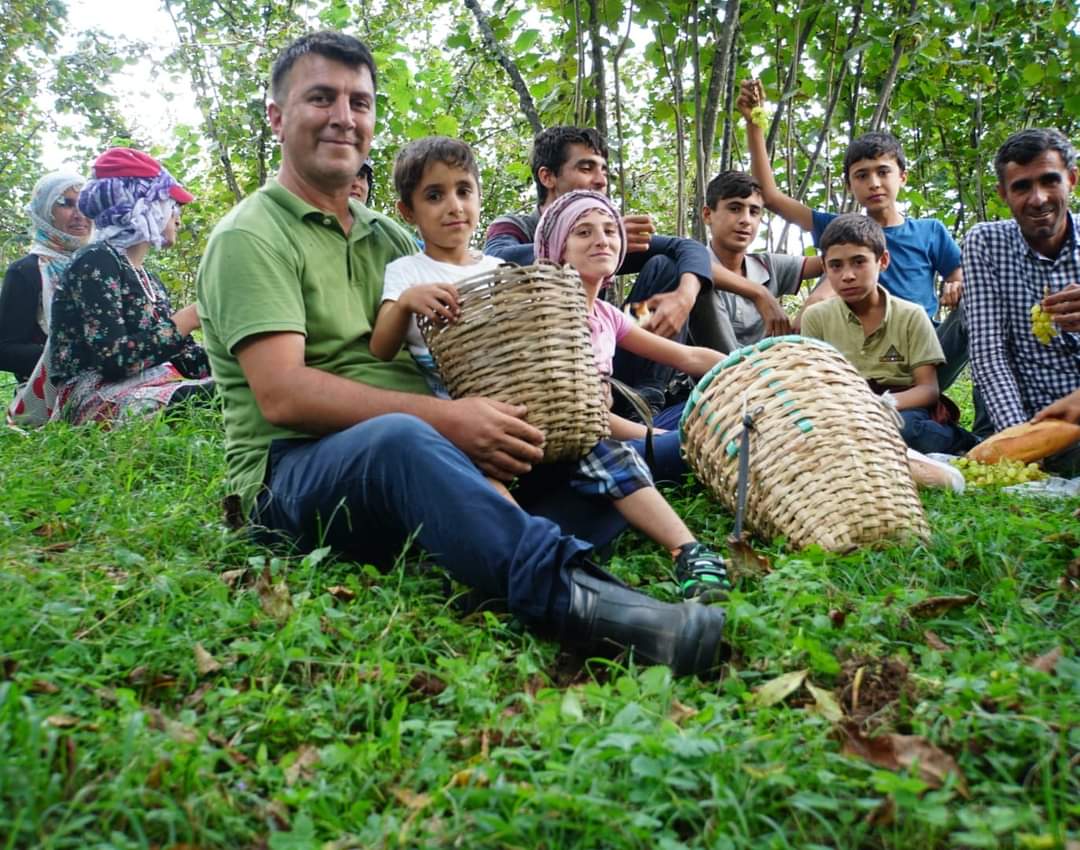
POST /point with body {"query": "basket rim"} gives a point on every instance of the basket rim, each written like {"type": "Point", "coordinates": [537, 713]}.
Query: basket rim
{"type": "Point", "coordinates": [737, 356]}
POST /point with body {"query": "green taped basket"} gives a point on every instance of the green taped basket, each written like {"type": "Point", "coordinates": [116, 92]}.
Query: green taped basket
{"type": "Point", "coordinates": [827, 463]}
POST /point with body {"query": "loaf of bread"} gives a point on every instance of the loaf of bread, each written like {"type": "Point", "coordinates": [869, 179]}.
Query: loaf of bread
{"type": "Point", "coordinates": [1027, 442]}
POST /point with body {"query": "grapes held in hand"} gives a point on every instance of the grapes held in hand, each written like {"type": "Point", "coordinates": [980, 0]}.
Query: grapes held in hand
{"type": "Point", "coordinates": [759, 116]}
{"type": "Point", "coordinates": [1041, 325]}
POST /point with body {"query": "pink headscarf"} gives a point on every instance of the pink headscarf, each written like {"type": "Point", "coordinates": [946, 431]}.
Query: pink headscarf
{"type": "Point", "coordinates": [559, 219]}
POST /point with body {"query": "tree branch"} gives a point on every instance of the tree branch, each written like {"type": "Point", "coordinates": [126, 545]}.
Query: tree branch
{"type": "Point", "coordinates": [516, 80]}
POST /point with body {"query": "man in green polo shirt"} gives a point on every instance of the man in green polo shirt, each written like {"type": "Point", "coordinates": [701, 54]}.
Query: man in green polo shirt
{"type": "Point", "coordinates": [888, 340]}
{"type": "Point", "coordinates": [326, 444]}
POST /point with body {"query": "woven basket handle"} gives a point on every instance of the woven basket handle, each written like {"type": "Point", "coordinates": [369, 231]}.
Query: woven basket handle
{"type": "Point", "coordinates": [642, 410]}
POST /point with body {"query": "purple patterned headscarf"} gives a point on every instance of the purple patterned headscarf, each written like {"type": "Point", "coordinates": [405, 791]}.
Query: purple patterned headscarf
{"type": "Point", "coordinates": [129, 210]}
{"type": "Point", "coordinates": [561, 216]}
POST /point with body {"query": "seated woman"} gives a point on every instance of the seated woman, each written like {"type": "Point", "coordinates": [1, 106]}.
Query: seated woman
{"type": "Point", "coordinates": [583, 229]}
{"type": "Point", "coordinates": [117, 347]}
{"type": "Point", "coordinates": [57, 230]}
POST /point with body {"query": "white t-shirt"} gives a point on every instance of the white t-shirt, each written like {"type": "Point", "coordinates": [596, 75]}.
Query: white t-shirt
{"type": "Point", "coordinates": [415, 269]}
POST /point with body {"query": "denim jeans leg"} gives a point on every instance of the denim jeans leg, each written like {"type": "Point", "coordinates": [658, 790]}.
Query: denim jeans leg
{"type": "Point", "coordinates": [925, 435]}
{"type": "Point", "coordinates": [657, 276]}
{"type": "Point", "coordinates": [368, 489]}
{"type": "Point", "coordinates": [953, 336]}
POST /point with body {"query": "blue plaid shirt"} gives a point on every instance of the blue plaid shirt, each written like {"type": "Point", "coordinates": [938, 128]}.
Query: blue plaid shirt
{"type": "Point", "coordinates": [1003, 278]}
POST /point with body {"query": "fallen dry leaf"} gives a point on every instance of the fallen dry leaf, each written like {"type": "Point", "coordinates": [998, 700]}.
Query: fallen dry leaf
{"type": "Point", "coordinates": [679, 712]}
{"type": "Point", "coordinates": [1047, 661]}
{"type": "Point", "coordinates": [884, 814]}
{"type": "Point", "coordinates": [410, 799]}
{"type": "Point", "coordinates": [778, 689]}
{"type": "Point", "coordinates": [205, 663]}
{"type": "Point", "coordinates": [274, 596]}
{"type": "Point", "coordinates": [62, 721]}
{"type": "Point", "coordinates": [896, 752]}
{"type": "Point", "coordinates": [838, 616]}
{"type": "Point", "coordinates": [306, 758]}
{"type": "Point", "coordinates": [231, 577]}
{"type": "Point", "coordinates": [173, 728]}
{"type": "Point", "coordinates": [934, 642]}
{"type": "Point", "coordinates": [935, 606]}
{"type": "Point", "coordinates": [40, 686]}
{"type": "Point", "coordinates": [825, 703]}
{"type": "Point", "coordinates": [196, 696]}
{"type": "Point", "coordinates": [745, 561]}
{"type": "Point", "coordinates": [468, 776]}
{"type": "Point", "coordinates": [341, 592]}
{"type": "Point", "coordinates": [56, 548]}
{"type": "Point", "coordinates": [427, 684]}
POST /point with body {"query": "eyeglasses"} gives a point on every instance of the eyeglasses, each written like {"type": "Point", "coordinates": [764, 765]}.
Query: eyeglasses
{"type": "Point", "coordinates": [66, 202]}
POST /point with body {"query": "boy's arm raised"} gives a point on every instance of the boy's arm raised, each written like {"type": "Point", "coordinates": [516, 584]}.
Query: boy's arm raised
{"type": "Point", "coordinates": [751, 95]}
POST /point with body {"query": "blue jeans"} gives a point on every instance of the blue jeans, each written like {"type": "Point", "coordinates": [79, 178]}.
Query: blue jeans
{"type": "Point", "coordinates": [925, 435]}
{"type": "Point", "coordinates": [658, 275]}
{"type": "Point", "coordinates": [367, 490]}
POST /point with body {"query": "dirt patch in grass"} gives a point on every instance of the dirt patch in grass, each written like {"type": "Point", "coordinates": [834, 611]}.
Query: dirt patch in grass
{"type": "Point", "coordinates": [871, 689]}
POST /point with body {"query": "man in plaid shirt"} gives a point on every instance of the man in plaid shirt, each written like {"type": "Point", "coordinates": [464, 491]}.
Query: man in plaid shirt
{"type": "Point", "coordinates": [1011, 265]}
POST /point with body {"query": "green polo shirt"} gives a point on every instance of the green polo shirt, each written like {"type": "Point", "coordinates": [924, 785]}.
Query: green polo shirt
{"type": "Point", "coordinates": [275, 263]}
{"type": "Point", "coordinates": [904, 341]}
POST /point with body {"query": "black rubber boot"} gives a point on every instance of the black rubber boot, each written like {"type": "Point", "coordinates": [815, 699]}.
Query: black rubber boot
{"type": "Point", "coordinates": [687, 636]}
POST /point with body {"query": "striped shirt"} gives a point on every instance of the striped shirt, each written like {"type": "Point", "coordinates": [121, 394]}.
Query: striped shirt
{"type": "Point", "coordinates": [1003, 277]}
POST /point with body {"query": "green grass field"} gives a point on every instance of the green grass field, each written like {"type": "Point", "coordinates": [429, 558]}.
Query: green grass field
{"type": "Point", "coordinates": [164, 683]}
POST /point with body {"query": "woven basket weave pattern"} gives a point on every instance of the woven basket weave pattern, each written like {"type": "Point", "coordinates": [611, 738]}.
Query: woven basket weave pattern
{"type": "Point", "coordinates": [522, 337]}
{"type": "Point", "coordinates": [827, 463]}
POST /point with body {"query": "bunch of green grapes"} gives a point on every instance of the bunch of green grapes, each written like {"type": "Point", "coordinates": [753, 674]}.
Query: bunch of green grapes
{"type": "Point", "coordinates": [760, 117]}
{"type": "Point", "coordinates": [1044, 329]}
{"type": "Point", "coordinates": [1000, 474]}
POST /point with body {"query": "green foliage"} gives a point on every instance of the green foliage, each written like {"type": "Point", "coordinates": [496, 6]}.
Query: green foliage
{"type": "Point", "coordinates": [374, 713]}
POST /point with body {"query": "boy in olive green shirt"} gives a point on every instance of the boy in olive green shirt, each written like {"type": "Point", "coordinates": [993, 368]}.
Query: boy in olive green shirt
{"type": "Point", "coordinates": [888, 340]}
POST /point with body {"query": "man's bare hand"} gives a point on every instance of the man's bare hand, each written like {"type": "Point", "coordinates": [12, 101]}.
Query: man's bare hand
{"type": "Point", "coordinates": [436, 301]}
{"type": "Point", "coordinates": [668, 313]}
{"type": "Point", "coordinates": [776, 320]}
{"type": "Point", "coordinates": [494, 435]}
{"type": "Point", "coordinates": [751, 96]}
{"type": "Point", "coordinates": [639, 231]}
{"type": "Point", "coordinates": [1067, 408]}
{"type": "Point", "coordinates": [1064, 307]}
{"type": "Point", "coordinates": [951, 292]}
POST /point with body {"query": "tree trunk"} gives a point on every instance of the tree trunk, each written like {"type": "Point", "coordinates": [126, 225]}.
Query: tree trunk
{"type": "Point", "coordinates": [890, 77]}
{"type": "Point", "coordinates": [599, 84]}
{"type": "Point", "coordinates": [784, 100]}
{"type": "Point", "coordinates": [507, 64]}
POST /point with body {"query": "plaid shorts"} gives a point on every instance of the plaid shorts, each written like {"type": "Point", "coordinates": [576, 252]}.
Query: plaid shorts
{"type": "Point", "coordinates": [611, 469]}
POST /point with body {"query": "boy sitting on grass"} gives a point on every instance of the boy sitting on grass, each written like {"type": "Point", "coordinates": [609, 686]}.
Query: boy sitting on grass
{"type": "Point", "coordinates": [875, 170]}
{"type": "Point", "coordinates": [437, 180]}
{"type": "Point", "coordinates": [744, 304]}
{"type": "Point", "coordinates": [888, 340]}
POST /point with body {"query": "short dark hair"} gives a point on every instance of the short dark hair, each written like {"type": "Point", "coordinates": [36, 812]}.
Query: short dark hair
{"type": "Point", "coordinates": [730, 184]}
{"type": "Point", "coordinates": [1024, 146]}
{"type": "Point", "coordinates": [342, 48]}
{"type": "Point", "coordinates": [873, 146]}
{"type": "Point", "coordinates": [413, 159]}
{"type": "Point", "coordinates": [853, 229]}
{"type": "Point", "coordinates": [550, 150]}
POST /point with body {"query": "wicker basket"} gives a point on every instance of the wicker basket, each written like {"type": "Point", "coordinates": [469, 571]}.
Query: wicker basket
{"type": "Point", "coordinates": [523, 338]}
{"type": "Point", "coordinates": [827, 463]}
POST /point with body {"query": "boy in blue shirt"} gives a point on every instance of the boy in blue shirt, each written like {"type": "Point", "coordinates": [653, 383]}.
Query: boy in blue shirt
{"type": "Point", "coordinates": [920, 248]}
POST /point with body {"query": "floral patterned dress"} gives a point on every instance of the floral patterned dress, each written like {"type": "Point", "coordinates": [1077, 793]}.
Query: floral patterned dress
{"type": "Point", "coordinates": [115, 351]}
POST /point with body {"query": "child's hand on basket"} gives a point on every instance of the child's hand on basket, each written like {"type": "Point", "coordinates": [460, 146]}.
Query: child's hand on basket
{"type": "Point", "coordinates": [436, 301]}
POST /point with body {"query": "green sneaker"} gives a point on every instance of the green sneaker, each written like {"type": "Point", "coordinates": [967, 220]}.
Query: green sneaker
{"type": "Point", "coordinates": [701, 573]}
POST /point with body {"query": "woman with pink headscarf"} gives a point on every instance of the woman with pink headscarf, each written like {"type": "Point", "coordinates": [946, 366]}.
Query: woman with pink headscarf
{"type": "Point", "coordinates": [584, 230]}
{"type": "Point", "coordinates": [117, 347]}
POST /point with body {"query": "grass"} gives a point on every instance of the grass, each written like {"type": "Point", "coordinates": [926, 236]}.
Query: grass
{"type": "Point", "coordinates": [371, 713]}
